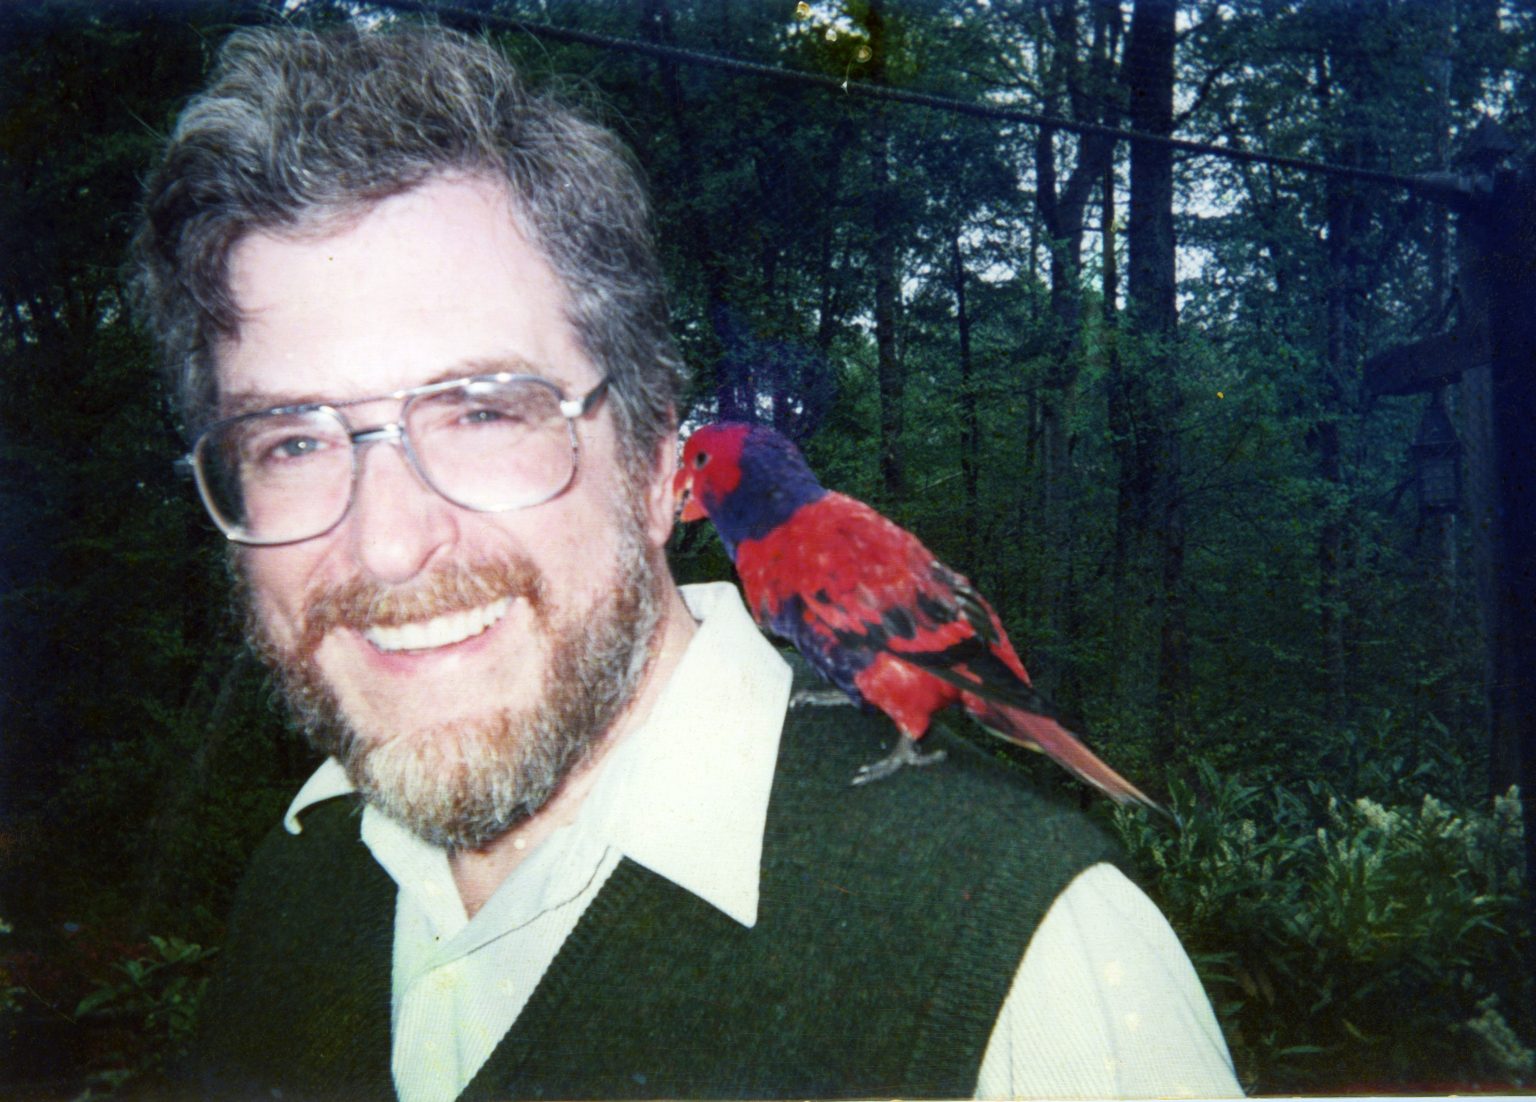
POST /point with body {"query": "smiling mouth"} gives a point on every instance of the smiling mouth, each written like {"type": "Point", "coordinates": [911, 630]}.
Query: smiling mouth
{"type": "Point", "coordinates": [440, 631]}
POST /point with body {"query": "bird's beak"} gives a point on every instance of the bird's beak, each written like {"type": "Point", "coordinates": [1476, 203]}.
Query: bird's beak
{"type": "Point", "coordinates": [681, 494]}
{"type": "Point", "coordinates": [688, 507]}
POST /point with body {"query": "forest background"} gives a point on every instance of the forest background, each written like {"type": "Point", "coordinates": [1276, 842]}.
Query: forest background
{"type": "Point", "coordinates": [1123, 387]}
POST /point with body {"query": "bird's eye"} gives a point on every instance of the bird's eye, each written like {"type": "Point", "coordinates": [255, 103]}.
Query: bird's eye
{"type": "Point", "coordinates": [700, 459]}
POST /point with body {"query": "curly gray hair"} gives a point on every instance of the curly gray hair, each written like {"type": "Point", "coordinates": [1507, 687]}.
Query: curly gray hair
{"type": "Point", "coordinates": [297, 128]}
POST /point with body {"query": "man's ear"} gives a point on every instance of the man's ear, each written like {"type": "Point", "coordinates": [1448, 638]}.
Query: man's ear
{"type": "Point", "coordinates": [660, 498]}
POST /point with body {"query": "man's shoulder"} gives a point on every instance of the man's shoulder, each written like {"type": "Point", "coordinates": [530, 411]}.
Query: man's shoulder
{"type": "Point", "coordinates": [320, 875]}
{"type": "Point", "coordinates": [977, 796]}
{"type": "Point", "coordinates": [922, 890]}
{"type": "Point", "coordinates": [302, 991]}
{"type": "Point", "coordinates": [328, 832]}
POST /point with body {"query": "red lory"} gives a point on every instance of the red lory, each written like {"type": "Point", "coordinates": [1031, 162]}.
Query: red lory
{"type": "Point", "coordinates": [869, 606]}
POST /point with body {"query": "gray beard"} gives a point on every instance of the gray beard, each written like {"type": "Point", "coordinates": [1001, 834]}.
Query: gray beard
{"type": "Point", "coordinates": [464, 783]}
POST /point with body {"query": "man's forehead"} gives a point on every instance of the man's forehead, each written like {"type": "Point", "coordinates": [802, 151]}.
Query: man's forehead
{"type": "Point", "coordinates": [251, 397]}
{"type": "Point", "coordinates": [431, 284]}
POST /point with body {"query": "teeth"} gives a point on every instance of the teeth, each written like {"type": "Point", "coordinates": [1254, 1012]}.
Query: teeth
{"type": "Point", "coordinates": [442, 631]}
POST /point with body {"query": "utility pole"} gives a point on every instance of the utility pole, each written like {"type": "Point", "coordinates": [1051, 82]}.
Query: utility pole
{"type": "Point", "coordinates": [1500, 236]}
{"type": "Point", "coordinates": [1493, 353]}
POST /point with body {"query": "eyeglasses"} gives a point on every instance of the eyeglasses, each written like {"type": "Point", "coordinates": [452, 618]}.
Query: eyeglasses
{"type": "Point", "coordinates": [491, 443]}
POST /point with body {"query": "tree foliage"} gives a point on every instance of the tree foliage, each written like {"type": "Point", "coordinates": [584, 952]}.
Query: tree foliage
{"type": "Point", "coordinates": [952, 314]}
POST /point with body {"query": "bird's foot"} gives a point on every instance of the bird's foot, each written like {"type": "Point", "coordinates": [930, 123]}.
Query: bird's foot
{"type": "Point", "coordinates": [905, 752]}
{"type": "Point", "coordinates": [819, 698]}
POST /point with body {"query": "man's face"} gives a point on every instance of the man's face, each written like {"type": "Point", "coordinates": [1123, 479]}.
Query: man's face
{"type": "Point", "coordinates": [459, 663]}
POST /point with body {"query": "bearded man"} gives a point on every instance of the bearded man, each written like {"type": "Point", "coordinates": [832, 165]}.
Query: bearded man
{"type": "Point", "coordinates": [570, 837]}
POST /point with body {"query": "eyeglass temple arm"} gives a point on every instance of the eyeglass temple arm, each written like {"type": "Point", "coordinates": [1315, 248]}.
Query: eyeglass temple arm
{"type": "Point", "coordinates": [572, 408]}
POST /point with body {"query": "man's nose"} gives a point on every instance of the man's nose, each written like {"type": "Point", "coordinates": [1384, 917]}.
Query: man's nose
{"type": "Point", "coordinates": [397, 523]}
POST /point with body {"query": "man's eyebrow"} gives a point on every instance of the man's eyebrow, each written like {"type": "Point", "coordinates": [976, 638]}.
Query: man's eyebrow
{"type": "Point", "coordinates": [240, 402]}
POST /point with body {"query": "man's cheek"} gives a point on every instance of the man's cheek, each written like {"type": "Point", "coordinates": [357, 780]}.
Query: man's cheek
{"type": "Point", "coordinates": [275, 599]}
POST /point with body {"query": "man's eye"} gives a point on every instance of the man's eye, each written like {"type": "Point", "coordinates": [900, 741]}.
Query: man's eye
{"type": "Point", "coordinates": [288, 449]}
{"type": "Point", "coordinates": [497, 415]}
{"type": "Point", "coordinates": [489, 415]}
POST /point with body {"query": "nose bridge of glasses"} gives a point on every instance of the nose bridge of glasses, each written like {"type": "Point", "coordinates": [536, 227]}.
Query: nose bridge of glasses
{"type": "Point", "coordinates": [389, 431]}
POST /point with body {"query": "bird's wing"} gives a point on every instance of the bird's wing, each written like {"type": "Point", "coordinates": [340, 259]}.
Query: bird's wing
{"type": "Point", "coordinates": [845, 585]}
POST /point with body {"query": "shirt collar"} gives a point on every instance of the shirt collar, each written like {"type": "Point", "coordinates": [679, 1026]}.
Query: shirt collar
{"type": "Point", "coordinates": [329, 781]}
{"type": "Point", "coordinates": [686, 794]}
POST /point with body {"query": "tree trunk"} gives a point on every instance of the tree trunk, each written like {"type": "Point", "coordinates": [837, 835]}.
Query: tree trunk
{"type": "Point", "coordinates": [1120, 431]}
{"type": "Point", "coordinates": [698, 231]}
{"type": "Point", "coordinates": [1439, 533]}
{"type": "Point", "coordinates": [1344, 303]}
{"type": "Point", "coordinates": [970, 427]}
{"type": "Point", "coordinates": [833, 300]}
{"type": "Point", "coordinates": [1153, 308]}
{"type": "Point", "coordinates": [1081, 77]}
{"type": "Point", "coordinates": [893, 467]}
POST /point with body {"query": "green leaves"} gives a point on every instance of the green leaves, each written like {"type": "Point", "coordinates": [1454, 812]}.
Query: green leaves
{"type": "Point", "coordinates": [1348, 942]}
{"type": "Point", "coordinates": [159, 983]}
{"type": "Point", "coordinates": [156, 1000]}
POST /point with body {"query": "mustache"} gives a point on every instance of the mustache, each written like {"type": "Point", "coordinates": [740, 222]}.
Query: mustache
{"type": "Point", "coordinates": [359, 603]}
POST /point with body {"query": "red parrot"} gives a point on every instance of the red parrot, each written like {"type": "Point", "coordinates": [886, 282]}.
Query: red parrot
{"type": "Point", "coordinates": [869, 606]}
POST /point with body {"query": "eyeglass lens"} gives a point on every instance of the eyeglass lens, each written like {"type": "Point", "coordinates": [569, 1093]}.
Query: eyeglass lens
{"type": "Point", "coordinates": [488, 445]}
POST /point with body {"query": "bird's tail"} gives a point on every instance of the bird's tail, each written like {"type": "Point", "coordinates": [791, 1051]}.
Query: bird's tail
{"type": "Point", "coordinates": [1038, 732]}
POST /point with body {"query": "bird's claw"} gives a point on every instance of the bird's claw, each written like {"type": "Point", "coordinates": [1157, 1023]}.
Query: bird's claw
{"type": "Point", "coordinates": [905, 752]}
{"type": "Point", "coordinates": [820, 698]}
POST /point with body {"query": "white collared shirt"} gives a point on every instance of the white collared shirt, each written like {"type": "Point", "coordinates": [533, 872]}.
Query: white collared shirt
{"type": "Point", "coordinates": [1105, 1002]}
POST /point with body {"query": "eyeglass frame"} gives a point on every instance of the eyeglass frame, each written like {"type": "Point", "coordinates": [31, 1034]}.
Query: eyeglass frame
{"type": "Point", "coordinates": [572, 409]}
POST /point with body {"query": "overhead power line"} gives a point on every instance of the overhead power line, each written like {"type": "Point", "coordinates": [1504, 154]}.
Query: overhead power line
{"type": "Point", "coordinates": [458, 13]}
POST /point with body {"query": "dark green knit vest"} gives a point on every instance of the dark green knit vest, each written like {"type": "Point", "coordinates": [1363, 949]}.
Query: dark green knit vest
{"type": "Point", "coordinates": [892, 919]}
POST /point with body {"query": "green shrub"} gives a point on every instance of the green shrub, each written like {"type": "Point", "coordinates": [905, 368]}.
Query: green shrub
{"type": "Point", "coordinates": [147, 1015]}
{"type": "Point", "coordinates": [1349, 945]}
